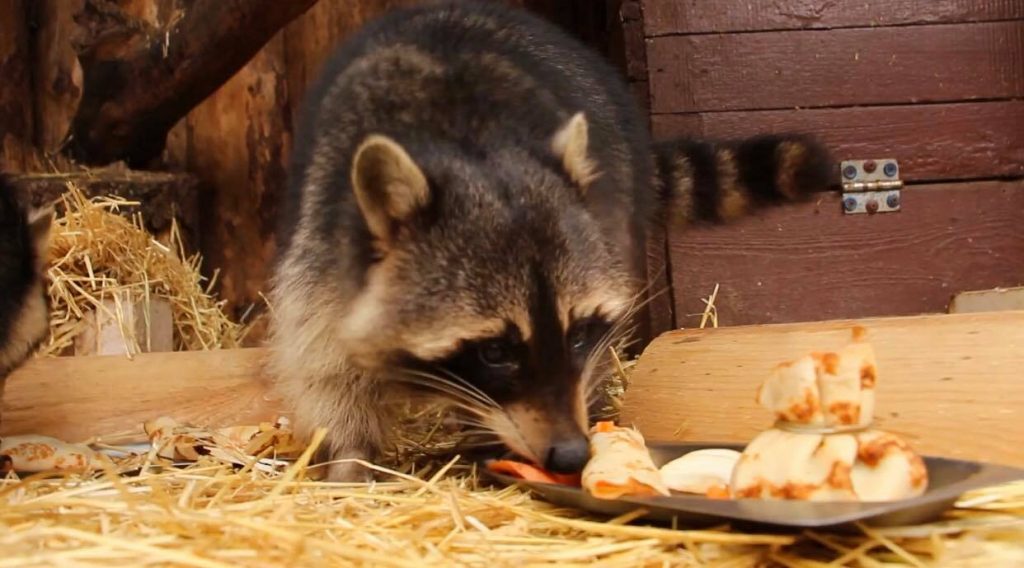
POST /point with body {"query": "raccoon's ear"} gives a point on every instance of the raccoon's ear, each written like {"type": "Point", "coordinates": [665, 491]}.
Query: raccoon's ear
{"type": "Point", "coordinates": [570, 145]}
{"type": "Point", "coordinates": [390, 188]}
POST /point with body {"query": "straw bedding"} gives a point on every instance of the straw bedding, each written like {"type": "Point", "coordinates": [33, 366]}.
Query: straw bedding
{"type": "Point", "coordinates": [231, 509]}
{"type": "Point", "coordinates": [208, 499]}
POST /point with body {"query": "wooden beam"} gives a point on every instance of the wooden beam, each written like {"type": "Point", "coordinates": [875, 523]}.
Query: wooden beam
{"type": "Point", "coordinates": [138, 81]}
{"type": "Point", "coordinates": [829, 68]}
{"type": "Point", "coordinates": [78, 398]}
{"type": "Point", "coordinates": [952, 385]}
{"type": "Point", "coordinates": [699, 16]}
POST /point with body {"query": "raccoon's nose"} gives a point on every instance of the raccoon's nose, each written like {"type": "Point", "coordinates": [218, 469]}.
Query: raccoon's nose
{"type": "Point", "coordinates": [568, 456]}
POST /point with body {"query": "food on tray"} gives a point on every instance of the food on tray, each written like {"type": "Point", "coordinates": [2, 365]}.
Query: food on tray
{"type": "Point", "coordinates": [620, 464]}
{"type": "Point", "coordinates": [532, 473]}
{"type": "Point", "coordinates": [822, 447]}
{"type": "Point", "coordinates": [31, 454]}
{"type": "Point", "coordinates": [704, 472]}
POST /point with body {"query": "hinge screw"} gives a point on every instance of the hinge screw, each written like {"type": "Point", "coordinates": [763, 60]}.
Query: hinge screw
{"type": "Point", "coordinates": [872, 206]}
{"type": "Point", "coordinates": [870, 166]}
{"type": "Point", "coordinates": [893, 201]}
{"type": "Point", "coordinates": [849, 204]}
{"type": "Point", "coordinates": [850, 172]}
{"type": "Point", "coordinates": [890, 169]}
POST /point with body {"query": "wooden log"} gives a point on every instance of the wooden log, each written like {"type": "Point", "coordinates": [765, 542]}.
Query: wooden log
{"type": "Point", "coordinates": [77, 398]}
{"type": "Point", "coordinates": [932, 142]}
{"type": "Point", "coordinates": [950, 384]}
{"type": "Point", "coordinates": [826, 68]}
{"type": "Point", "coordinates": [810, 262]}
{"type": "Point", "coordinates": [58, 76]}
{"type": "Point", "coordinates": [138, 83]}
{"type": "Point", "coordinates": [665, 17]}
{"type": "Point", "coordinates": [240, 137]}
{"type": "Point", "coordinates": [16, 126]}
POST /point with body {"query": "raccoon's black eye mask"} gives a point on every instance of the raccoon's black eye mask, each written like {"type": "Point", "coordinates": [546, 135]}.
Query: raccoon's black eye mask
{"type": "Point", "coordinates": [497, 365]}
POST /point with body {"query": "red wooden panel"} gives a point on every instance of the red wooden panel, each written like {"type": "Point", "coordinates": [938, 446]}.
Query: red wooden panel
{"type": "Point", "coordinates": [777, 70]}
{"type": "Point", "coordinates": [810, 262]}
{"type": "Point", "coordinates": [932, 142]}
{"type": "Point", "coordinates": [659, 311]}
{"type": "Point", "coordinates": [663, 17]}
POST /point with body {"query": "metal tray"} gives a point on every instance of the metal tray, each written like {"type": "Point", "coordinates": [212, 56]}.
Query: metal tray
{"type": "Point", "coordinates": [948, 480]}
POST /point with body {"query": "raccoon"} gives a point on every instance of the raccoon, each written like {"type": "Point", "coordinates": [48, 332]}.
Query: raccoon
{"type": "Point", "coordinates": [469, 199]}
{"type": "Point", "coordinates": [24, 236]}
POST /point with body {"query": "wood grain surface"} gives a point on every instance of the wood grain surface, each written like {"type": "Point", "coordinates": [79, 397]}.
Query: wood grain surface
{"type": "Point", "coordinates": [16, 124]}
{"type": "Point", "coordinates": [700, 16]}
{"type": "Point", "coordinates": [825, 68]}
{"type": "Point", "coordinates": [57, 74]}
{"type": "Point", "coordinates": [932, 142]}
{"type": "Point", "coordinates": [811, 262]}
{"type": "Point", "coordinates": [77, 398]}
{"type": "Point", "coordinates": [950, 384]}
{"type": "Point", "coordinates": [995, 300]}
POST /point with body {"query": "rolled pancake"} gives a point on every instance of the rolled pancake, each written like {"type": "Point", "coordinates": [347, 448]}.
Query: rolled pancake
{"type": "Point", "coordinates": [620, 464]}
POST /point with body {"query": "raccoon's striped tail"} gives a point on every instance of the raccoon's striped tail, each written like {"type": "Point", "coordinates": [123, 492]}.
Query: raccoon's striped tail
{"type": "Point", "coordinates": [722, 181]}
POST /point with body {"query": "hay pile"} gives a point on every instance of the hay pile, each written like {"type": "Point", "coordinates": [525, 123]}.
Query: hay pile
{"type": "Point", "coordinates": [99, 255]}
{"type": "Point", "coordinates": [215, 513]}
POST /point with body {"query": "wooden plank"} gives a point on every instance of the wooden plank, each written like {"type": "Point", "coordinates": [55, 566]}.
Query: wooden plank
{"type": "Point", "coordinates": [163, 197]}
{"type": "Point", "coordinates": [77, 398]}
{"type": "Point", "coordinates": [950, 384]}
{"type": "Point", "coordinates": [823, 68]}
{"type": "Point", "coordinates": [659, 293]}
{"type": "Point", "coordinates": [811, 262]}
{"type": "Point", "coordinates": [932, 142]}
{"type": "Point", "coordinates": [663, 17]}
{"type": "Point", "coordinates": [998, 299]}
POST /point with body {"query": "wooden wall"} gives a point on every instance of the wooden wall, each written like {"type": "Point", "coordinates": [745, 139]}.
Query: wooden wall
{"type": "Point", "coordinates": [936, 84]}
{"type": "Point", "coordinates": [16, 124]}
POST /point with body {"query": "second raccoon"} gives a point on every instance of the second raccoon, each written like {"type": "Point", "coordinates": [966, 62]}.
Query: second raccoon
{"type": "Point", "coordinates": [470, 196]}
{"type": "Point", "coordinates": [24, 237]}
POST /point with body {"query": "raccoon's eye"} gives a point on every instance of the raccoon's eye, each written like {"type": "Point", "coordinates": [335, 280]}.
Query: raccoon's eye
{"type": "Point", "coordinates": [585, 333]}
{"type": "Point", "coordinates": [496, 354]}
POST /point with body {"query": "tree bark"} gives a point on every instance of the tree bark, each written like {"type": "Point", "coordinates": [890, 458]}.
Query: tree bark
{"type": "Point", "coordinates": [15, 87]}
{"type": "Point", "coordinates": [138, 80]}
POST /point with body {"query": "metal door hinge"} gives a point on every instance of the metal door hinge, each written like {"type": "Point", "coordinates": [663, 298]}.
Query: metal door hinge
{"type": "Point", "coordinates": [870, 186]}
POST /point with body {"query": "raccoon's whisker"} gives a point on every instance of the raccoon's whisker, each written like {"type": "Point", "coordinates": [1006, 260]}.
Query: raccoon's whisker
{"type": "Point", "coordinates": [453, 395]}
{"type": "Point", "coordinates": [471, 387]}
{"type": "Point", "coordinates": [467, 390]}
{"type": "Point", "coordinates": [594, 373]}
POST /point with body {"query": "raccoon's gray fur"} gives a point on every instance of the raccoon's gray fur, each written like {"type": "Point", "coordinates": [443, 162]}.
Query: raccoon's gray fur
{"type": "Point", "coordinates": [23, 303]}
{"type": "Point", "coordinates": [469, 200]}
